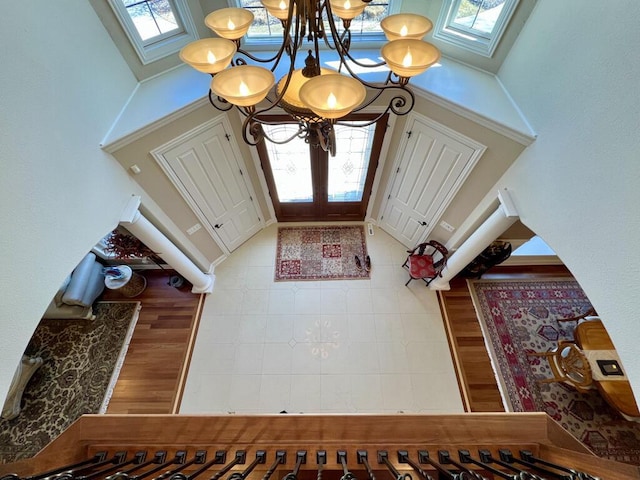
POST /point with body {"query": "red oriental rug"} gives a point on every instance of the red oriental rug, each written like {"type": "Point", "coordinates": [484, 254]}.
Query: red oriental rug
{"type": "Point", "coordinates": [320, 253]}
{"type": "Point", "coordinates": [519, 316]}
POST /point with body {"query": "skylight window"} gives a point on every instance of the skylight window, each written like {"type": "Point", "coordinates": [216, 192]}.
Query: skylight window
{"type": "Point", "coordinates": [476, 25]}
{"type": "Point", "coordinates": [156, 28]}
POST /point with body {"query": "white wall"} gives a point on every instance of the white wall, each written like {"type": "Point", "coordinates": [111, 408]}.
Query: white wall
{"type": "Point", "coordinates": [62, 83]}
{"type": "Point", "coordinates": [575, 72]}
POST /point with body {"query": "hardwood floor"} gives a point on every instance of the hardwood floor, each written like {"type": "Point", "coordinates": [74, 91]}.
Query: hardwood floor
{"type": "Point", "coordinates": [475, 374]}
{"type": "Point", "coordinates": [157, 359]}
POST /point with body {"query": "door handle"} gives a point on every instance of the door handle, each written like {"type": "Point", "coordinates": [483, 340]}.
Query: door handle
{"type": "Point", "coordinates": [218, 225]}
{"type": "Point", "coordinates": [424, 224]}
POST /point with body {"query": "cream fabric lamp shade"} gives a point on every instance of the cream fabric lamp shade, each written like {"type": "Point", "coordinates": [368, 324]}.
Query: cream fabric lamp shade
{"type": "Point", "coordinates": [209, 55]}
{"type": "Point", "coordinates": [332, 96]}
{"type": "Point", "coordinates": [408, 58]}
{"type": "Point", "coordinates": [277, 8]}
{"type": "Point", "coordinates": [244, 86]}
{"type": "Point", "coordinates": [230, 23]}
{"type": "Point", "coordinates": [405, 25]}
{"type": "Point", "coordinates": [347, 9]}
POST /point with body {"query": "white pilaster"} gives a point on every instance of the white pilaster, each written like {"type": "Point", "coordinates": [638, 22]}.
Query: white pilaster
{"type": "Point", "coordinates": [504, 216]}
{"type": "Point", "coordinates": [153, 238]}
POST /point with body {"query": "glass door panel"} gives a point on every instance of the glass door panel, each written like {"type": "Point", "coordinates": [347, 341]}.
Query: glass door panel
{"type": "Point", "coordinates": [290, 165]}
{"type": "Point", "coordinates": [348, 169]}
{"type": "Point", "coordinates": [306, 184]}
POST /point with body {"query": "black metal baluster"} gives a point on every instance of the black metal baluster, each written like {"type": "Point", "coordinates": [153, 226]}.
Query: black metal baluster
{"type": "Point", "coordinates": [281, 458]}
{"type": "Point", "coordinates": [240, 458]}
{"type": "Point", "coordinates": [179, 458]}
{"type": "Point", "coordinates": [508, 457]}
{"type": "Point", "coordinates": [363, 460]}
{"type": "Point", "coordinates": [403, 457]}
{"type": "Point", "coordinates": [487, 457]}
{"type": "Point", "coordinates": [219, 458]}
{"type": "Point", "coordinates": [137, 458]}
{"type": "Point", "coordinates": [423, 457]}
{"type": "Point", "coordinates": [383, 458]}
{"type": "Point", "coordinates": [574, 474]}
{"type": "Point", "coordinates": [342, 459]}
{"type": "Point", "coordinates": [261, 456]}
{"type": "Point", "coordinates": [321, 460]}
{"type": "Point", "coordinates": [301, 457]}
{"type": "Point", "coordinates": [465, 457]}
{"type": "Point", "coordinates": [159, 457]}
{"type": "Point", "coordinates": [80, 474]}
{"type": "Point", "coordinates": [98, 457]}
{"type": "Point", "coordinates": [199, 458]}
{"type": "Point", "coordinates": [444, 457]}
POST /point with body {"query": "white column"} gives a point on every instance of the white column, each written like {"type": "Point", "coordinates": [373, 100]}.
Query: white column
{"type": "Point", "coordinates": [504, 216]}
{"type": "Point", "coordinates": [153, 238]}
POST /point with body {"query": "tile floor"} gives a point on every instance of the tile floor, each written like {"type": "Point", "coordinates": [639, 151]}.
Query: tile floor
{"type": "Point", "coordinates": [335, 346]}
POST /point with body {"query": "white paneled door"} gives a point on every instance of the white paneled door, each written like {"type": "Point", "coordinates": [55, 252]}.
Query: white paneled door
{"type": "Point", "coordinates": [210, 175]}
{"type": "Point", "coordinates": [432, 163]}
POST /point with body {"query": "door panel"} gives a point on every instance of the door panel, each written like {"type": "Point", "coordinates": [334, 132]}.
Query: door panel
{"type": "Point", "coordinates": [306, 184]}
{"type": "Point", "coordinates": [431, 167]}
{"type": "Point", "coordinates": [212, 182]}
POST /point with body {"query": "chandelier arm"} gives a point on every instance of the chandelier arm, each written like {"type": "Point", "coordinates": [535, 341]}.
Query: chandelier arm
{"type": "Point", "coordinates": [219, 103]}
{"type": "Point", "coordinates": [285, 47]}
{"type": "Point", "coordinates": [277, 56]}
{"type": "Point", "coordinates": [253, 128]}
{"type": "Point", "coordinates": [400, 104]}
{"type": "Point", "coordinates": [300, 134]}
{"type": "Point", "coordinates": [252, 116]}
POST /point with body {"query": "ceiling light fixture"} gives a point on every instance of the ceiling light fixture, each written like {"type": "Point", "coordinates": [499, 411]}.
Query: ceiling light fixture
{"type": "Point", "coordinates": [317, 98]}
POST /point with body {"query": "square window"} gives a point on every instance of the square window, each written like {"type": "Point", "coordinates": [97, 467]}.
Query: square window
{"type": "Point", "coordinates": [152, 18]}
{"type": "Point", "coordinates": [475, 25]}
{"type": "Point", "coordinates": [155, 28]}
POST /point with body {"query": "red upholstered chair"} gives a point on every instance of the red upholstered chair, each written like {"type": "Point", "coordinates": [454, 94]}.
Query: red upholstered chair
{"type": "Point", "coordinates": [426, 261]}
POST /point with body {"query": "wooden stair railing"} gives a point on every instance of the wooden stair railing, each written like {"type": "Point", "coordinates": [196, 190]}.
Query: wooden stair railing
{"type": "Point", "coordinates": [316, 447]}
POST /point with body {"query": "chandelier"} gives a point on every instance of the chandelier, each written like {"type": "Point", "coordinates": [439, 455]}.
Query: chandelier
{"type": "Point", "coordinates": [316, 98]}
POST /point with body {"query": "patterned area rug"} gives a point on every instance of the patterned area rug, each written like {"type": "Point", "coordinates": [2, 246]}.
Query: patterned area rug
{"type": "Point", "coordinates": [519, 317]}
{"type": "Point", "coordinates": [81, 362]}
{"type": "Point", "coordinates": [320, 253]}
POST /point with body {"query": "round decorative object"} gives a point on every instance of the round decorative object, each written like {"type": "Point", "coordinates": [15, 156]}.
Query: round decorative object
{"type": "Point", "coordinates": [176, 281]}
{"type": "Point", "coordinates": [124, 280]}
{"type": "Point", "coordinates": [135, 286]}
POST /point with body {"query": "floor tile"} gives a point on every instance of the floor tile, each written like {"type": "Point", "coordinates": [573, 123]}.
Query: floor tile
{"type": "Point", "coordinates": [252, 328]}
{"type": "Point", "coordinates": [275, 393]}
{"type": "Point", "coordinates": [305, 394]}
{"type": "Point", "coordinates": [277, 359]}
{"type": "Point", "coordinates": [279, 328]}
{"type": "Point", "coordinates": [335, 393]}
{"type": "Point", "coordinates": [244, 393]}
{"type": "Point", "coordinates": [366, 393]}
{"type": "Point", "coordinates": [248, 359]}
